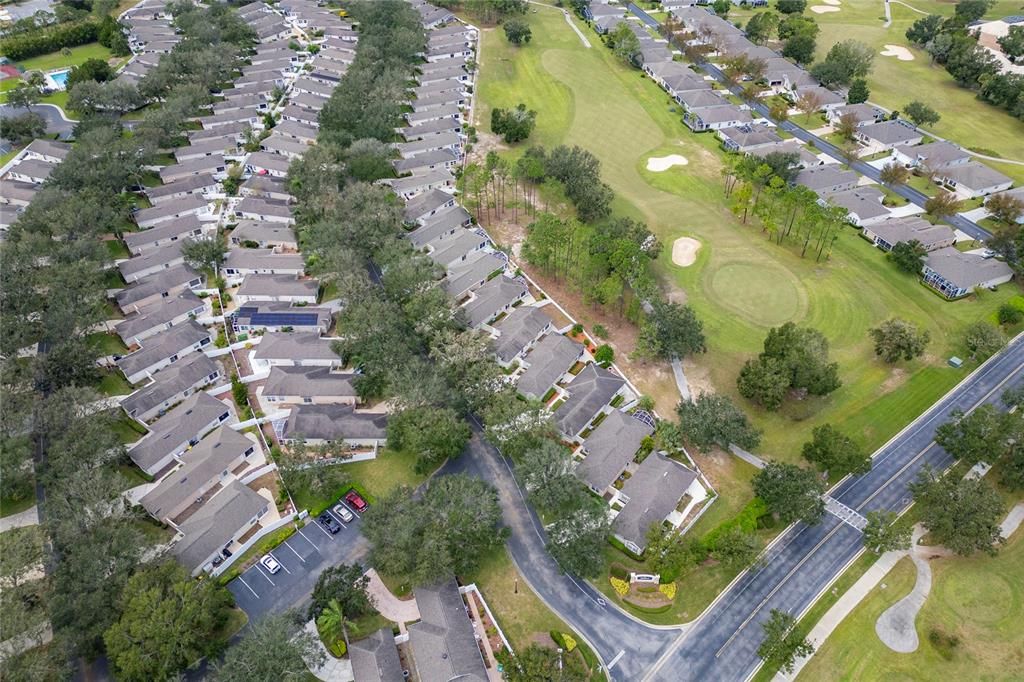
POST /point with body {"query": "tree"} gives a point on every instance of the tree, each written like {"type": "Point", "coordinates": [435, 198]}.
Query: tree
{"type": "Point", "coordinates": [671, 330]}
{"type": "Point", "coordinates": [333, 623]}
{"type": "Point", "coordinates": [983, 339]}
{"type": "Point", "coordinates": [943, 205]}
{"type": "Point", "coordinates": [537, 662]}
{"type": "Point", "coordinates": [967, 11]}
{"type": "Point", "coordinates": [835, 453]}
{"type": "Point", "coordinates": [1009, 314]}
{"type": "Point", "coordinates": [963, 515]}
{"type": "Point", "coordinates": [884, 532]}
{"type": "Point", "coordinates": [344, 584]}
{"type": "Point", "coordinates": [1013, 42]}
{"type": "Point", "coordinates": [858, 92]}
{"type": "Point", "coordinates": [605, 354]}
{"type": "Point", "coordinates": [847, 126]}
{"type": "Point", "coordinates": [921, 114]}
{"type": "Point", "coordinates": [808, 102]}
{"type": "Point", "coordinates": [894, 173]}
{"type": "Point", "coordinates": [90, 70]}
{"type": "Point", "coordinates": [24, 128]}
{"type": "Point", "coordinates": [275, 648]}
{"type": "Point", "coordinates": [1005, 208]}
{"type": "Point", "coordinates": [981, 436]}
{"type": "Point", "coordinates": [845, 61]}
{"type": "Point", "coordinates": [736, 549]}
{"type": "Point", "coordinates": [203, 253]}
{"type": "Point", "coordinates": [762, 26]}
{"type": "Point", "coordinates": [21, 549]}
{"type": "Point", "coordinates": [23, 95]}
{"type": "Point", "coordinates": [368, 160]}
{"type": "Point", "coordinates": [800, 48]}
{"type": "Point", "coordinates": [721, 7]}
{"type": "Point", "coordinates": [714, 420]}
{"type": "Point", "coordinates": [791, 6]}
{"type": "Point", "coordinates": [624, 43]}
{"type": "Point", "coordinates": [546, 473]}
{"type": "Point", "coordinates": [802, 353]}
{"type": "Point", "coordinates": [782, 644]}
{"type": "Point", "coordinates": [897, 339]}
{"type": "Point", "coordinates": [923, 31]}
{"type": "Point", "coordinates": [517, 31]}
{"type": "Point", "coordinates": [577, 539]}
{"type": "Point", "coordinates": [764, 381]}
{"type": "Point", "coordinates": [792, 493]}
{"type": "Point", "coordinates": [446, 530]}
{"type": "Point", "coordinates": [514, 125]}
{"type": "Point", "coordinates": [167, 622]}
{"type": "Point", "coordinates": [433, 434]}
{"type": "Point", "coordinates": [908, 256]}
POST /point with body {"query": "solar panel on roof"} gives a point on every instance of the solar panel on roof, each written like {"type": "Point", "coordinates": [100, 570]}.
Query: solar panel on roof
{"type": "Point", "coordinates": [284, 319]}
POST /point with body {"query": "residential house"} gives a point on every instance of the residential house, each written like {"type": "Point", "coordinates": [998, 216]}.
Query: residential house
{"type": "Point", "coordinates": [862, 114]}
{"type": "Point", "coordinates": [375, 658]}
{"type": "Point", "coordinates": [932, 156]}
{"type": "Point", "coordinates": [494, 298]}
{"type": "Point", "coordinates": [157, 286]}
{"type": "Point", "coordinates": [178, 430]}
{"type": "Point", "coordinates": [151, 262]}
{"type": "Point", "coordinates": [972, 179]}
{"type": "Point", "coordinates": [265, 163]}
{"type": "Point", "coordinates": [610, 448]}
{"type": "Point", "coordinates": [430, 203]}
{"type": "Point", "coordinates": [50, 151]}
{"type": "Point", "coordinates": [285, 146]}
{"type": "Point", "coordinates": [472, 273]}
{"type": "Point", "coordinates": [281, 317]}
{"type": "Point", "coordinates": [166, 233]}
{"type": "Point", "coordinates": [440, 225]}
{"type": "Point", "coordinates": [294, 349]}
{"type": "Point", "coordinates": [589, 395]}
{"type": "Point", "coordinates": [302, 114]}
{"type": "Point", "coordinates": [163, 349]}
{"type": "Point", "coordinates": [255, 234]}
{"type": "Point", "coordinates": [276, 289]}
{"type": "Point", "coordinates": [863, 205]}
{"type": "Point", "coordinates": [1017, 193]}
{"type": "Point", "coordinates": [889, 233]}
{"type": "Point", "coordinates": [241, 263]}
{"type": "Point", "coordinates": [457, 248]}
{"type": "Point", "coordinates": [160, 316]}
{"type": "Point", "coordinates": [443, 642]}
{"type": "Point", "coordinates": [440, 159]}
{"type": "Point", "coordinates": [887, 135]}
{"type": "Point", "coordinates": [202, 185]}
{"type": "Point", "coordinates": [701, 98]}
{"type": "Point", "coordinates": [549, 361]}
{"type": "Point", "coordinates": [449, 141]}
{"type": "Point", "coordinates": [266, 187]}
{"type": "Point", "coordinates": [414, 185]}
{"type": "Point", "coordinates": [825, 99]}
{"type": "Point", "coordinates": [309, 386]}
{"type": "Point", "coordinates": [213, 164]}
{"type": "Point", "coordinates": [321, 424]}
{"type": "Point", "coordinates": [297, 131]}
{"type": "Point", "coordinates": [31, 171]}
{"type": "Point", "coordinates": [171, 385]}
{"type": "Point", "coordinates": [827, 179]}
{"type": "Point", "coordinates": [714, 118]}
{"type": "Point", "coordinates": [746, 139]}
{"type": "Point", "coordinates": [264, 210]}
{"type": "Point", "coordinates": [203, 472]}
{"type": "Point", "coordinates": [193, 205]}
{"type": "Point", "coordinates": [228, 516]}
{"type": "Point", "coordinates": [428, 128]}
{"type": "Point", "coordinates": [955, 274]}
{"type": "Point", "coordinates": [651, 496]}
{"type": "Point", "coordinates": [517, 332]}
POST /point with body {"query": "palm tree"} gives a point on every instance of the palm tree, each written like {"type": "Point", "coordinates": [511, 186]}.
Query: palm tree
{"type": "Point", "coordinates": [333, 623]}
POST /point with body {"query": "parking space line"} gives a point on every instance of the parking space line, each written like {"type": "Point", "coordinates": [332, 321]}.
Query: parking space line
{"type": "Point", "coordinates": [294, 552]}
{"type": "Point", "coordinates": [352, 509]}
{"type": "Point", "coordinates": [321, 529]}
{"type": "Point", "coordinates": [255, 594]}
{"type": "Point", "coordinates": [281, 563]}
{"type": "Point", "coordinates": [261, 571]}
{"type": "Point", "coordinates": [336, 518]}
{"type": "Point", "coordinates": [309, 541]}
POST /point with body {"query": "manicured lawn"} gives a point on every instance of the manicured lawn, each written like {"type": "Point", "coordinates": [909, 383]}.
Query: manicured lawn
{"type": "Point", "coordinates": [376, 477]}
{"type": "Point", "coordinates": [114, 383]}
{"type": "Point", "coordinates": [965, 119]}
{"type": "Point", "coordinates": [10, 507]}
{"type": "Point", "coordinates": [979, 600]}
{"type": "Point", "coordinates": [56, 60]}
{"type": "Point", "coordinates": [117, 249]}
{"type": "Point", "coordinates": [742, 283]}
{"type": "Point", "coordinates": [128, 430]}
{"type": "Point", "coordinates": [109, 344]}
{"type": "Point", "coordinates": [9, 155]}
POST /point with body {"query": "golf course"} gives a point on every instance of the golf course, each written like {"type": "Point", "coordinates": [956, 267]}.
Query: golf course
{"type": "Point", "coordinates": [741, 283]}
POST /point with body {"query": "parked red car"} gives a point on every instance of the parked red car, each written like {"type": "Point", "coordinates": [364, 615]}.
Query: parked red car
{"type": "Point", "coordinates": [356, 500]}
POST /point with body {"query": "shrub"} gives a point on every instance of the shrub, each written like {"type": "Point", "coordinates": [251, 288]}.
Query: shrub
{"type": "Point", "coordinates": [556, 637]}
{"type": "Point", "coordinates": [1009, 314]}
{"type": "Point", "coordinates": [668, 575]}
{"type": "Point", "coordinates": [668, 589]}
{"type": "Point", "coordinates": [746, 520]}
{"type": "Point", "coordinates": [577, 329]}
{"type": "Point", "coordinates": [621, 586]}
{"type": "Point", "coordinates": [570, 643]}
{"type": "Point", "coordinates": [600, 332]}
{"type": "Point", "coordinates": [49, 39]}
{"type": "Point", "coordinates": [619, 571]}
{"type": "Point", "coordinates": [604, 354]}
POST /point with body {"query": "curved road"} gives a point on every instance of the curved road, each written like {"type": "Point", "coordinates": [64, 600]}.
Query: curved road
{"type": "Point", "coordinates": [56, 123]}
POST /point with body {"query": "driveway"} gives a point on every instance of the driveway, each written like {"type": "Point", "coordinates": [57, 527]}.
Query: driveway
{"type": "Point", "coordinates": [56, 123]}
{"type": "Point", "coordinates": [302, 557]}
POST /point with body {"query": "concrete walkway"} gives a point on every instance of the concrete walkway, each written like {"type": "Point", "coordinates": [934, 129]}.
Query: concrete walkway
{"type": "Point", "coordinates": [332, 669]}
{"type": "Point", "coordinates": [41, 635]}
{"type": "Point", "coordinates": [1012, 521]}
{"type": "Point", "coordinates": [681, 383]}
{"type": "Point", "coordinates": [391, 607]}
{"type": "Point", "coordinates": [574, 27]}
{"type": "Point", "coordinates": [29, 517]}
{"type": "Point", "coordinates": [748, 457]}
{"type": "Point", "coordinates": [896, 626]}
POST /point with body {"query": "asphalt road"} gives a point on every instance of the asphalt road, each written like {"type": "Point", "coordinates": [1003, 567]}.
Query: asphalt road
{"type": "Point", "coordinates": [909, 193]}
{"type": "Point", "coordinates": [302, 557]}
{"type": "Point", "coordinates": [722, 644]}
{"type": "Point", "coordinates": [56, 124]}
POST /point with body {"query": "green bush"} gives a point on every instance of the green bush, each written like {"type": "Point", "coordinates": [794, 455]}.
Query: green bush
{"type": "Point", "coordinates": [1009, 314]}
{"type": "Point", "coordinates": [746, 520]}
{"type": "Point", "coordinates": [600, 332]}
{"type": "Point", "coordinates": [617, 570]}
{"type": "Point", "coordinates": [556, 637]}
{"type": "Point", "coordinates": [617, 544]}
{"type": "Point", "coordinates": [49, 39]}
{"type": "Point", "coordinates": [668, 575]}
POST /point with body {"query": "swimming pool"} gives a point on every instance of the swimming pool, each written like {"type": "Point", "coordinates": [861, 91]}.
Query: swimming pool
{"type": "Point", "coordinates": [58, 80]}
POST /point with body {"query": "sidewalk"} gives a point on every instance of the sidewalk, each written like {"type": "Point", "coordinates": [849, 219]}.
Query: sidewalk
{"type": "Point", "coordinates": [29, 517]}
{"type": "Point", "coordinates": [391, 607]}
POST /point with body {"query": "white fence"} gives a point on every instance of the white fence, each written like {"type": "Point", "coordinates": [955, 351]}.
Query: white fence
{"type": "Point", "coordinates": [256, 473]}
{"type": "Point", "coordinates": [473, 588]}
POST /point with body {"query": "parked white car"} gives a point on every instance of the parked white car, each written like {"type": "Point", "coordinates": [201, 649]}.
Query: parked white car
{"type": "Point", "coordinates": [270, 563]}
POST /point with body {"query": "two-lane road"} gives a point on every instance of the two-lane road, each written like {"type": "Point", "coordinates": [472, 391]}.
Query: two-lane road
{"type": "Point", "coordinates": [722, 644]}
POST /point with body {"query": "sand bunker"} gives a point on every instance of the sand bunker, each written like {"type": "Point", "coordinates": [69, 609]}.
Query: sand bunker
{"type": "Point", "coordinates": [834, 3]}
{"type": "Point", "coordinates": [901, 53]}
{"type": "Point", "coordinates": [824, 9]}
{"type": "Point", "coordinates": [663, 163]}
{"type": "Point", "coordinates": [684, 251]}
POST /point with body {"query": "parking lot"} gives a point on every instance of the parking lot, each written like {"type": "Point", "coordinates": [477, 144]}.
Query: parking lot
{"type": "Point", "coordinates": [302, 557]}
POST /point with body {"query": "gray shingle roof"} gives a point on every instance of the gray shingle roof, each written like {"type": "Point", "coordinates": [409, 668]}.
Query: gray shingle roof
{"type": "Point", "coordinates": [156, 314]}
{"type": "Point", "coordinates": [975, 176]}
{"type": "Point", "coordinates": [825, 178]}
{"type": "Point", "coordinates": [426, 202]}
{"type": "Point", "coordinates": [889, 132]}
{"type": "Point", "coordinates": [189, 184]}
{"type": "Point", "coordinates": [448, 220]}
{"type": "Point", "coordinates": [206, 461]}
{"type": "Point", "coordinates": [214, 524]}
{"type": "Point", "coordinates": [899, 230]}
{"type": "Point", "coordinates": [295, 346]}
{"type": "Point", "coordinates": [334, 422]}
{"type": "Point", "coordinates": [277, 285]}
{"type": "Point", "coordinates": [591, 390]}
{"type": "Point", "coordinates": [550, 358]}
{"type": "Point", "coordinates": [518, 330]}
{"type": "Point", "coordinates": [654, 491]}
{"type": "Point", "coordinates": [935, 155]}
{"type": "Point", "coordinates": [865, 202]}
{"type": "Point", "coordinates": [162, 346]}
{"type": "Point", "coordinates": [610, 447]}
{"type": "Point", "coordinates": [263, 232]}
{"type": "Point", "coordinates": [309, 382]}
{"type": "Point", "coordinates": [262, 259]}
{"type": "Point", "coordinates": [169, 382]}
{"type": "Point", "coordinates": [493, 297]}
{"type": "Point", "coordinates": [444, 646]}
{"type": "Point", "coordinates": [182, 424]}
{"type": "Point", "coordinates": [966, 270]}
{"type": "Point", "coordinates": [375, 658]}
{"type": "Point", "coordinates": [164, 255]}
{"type": "Point", "coordinates": [178, 227]}
{"type": "Point", "coordinates": [156, 283]}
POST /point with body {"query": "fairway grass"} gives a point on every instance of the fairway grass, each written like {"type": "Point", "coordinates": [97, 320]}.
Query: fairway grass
{"type": "Point", "coordinates": [741, 283]}
{"type": "Point", "coordinates": [979, 600]}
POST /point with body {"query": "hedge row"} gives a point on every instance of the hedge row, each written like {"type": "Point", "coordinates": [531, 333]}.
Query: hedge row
{"type": "Point", "coordinates": [746, 521]}
{"type": "Point", "coordinates": [49, 39]}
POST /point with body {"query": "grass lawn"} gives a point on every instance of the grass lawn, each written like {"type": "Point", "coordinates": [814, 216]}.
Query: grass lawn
{"type": "Point", "coordinates": [10, 507]}
{"type": "Point", "coordinates": [522, 616]}
{"type": "Point", "coordinates": [4, 158]}
{"type": "Point", "coordinates": [117, 249]}
{"type": "Point", "coordinates": [128, 430]}
{"type": "Point", "coordinates": [57, 60]}
{"type": "Point", "coordinates": [109, 344]}
{"type": "Point", "coordinates": [236, 620]}
{"type": "Point", "coordinates": [377, 477]}
{"type": "Point", "coordinates": [741, 283]}
{"type": "Point", "coordinates": [114, 383]}
{"type": "Point", "coordinates": [979, 600]}
{"type": "Point", "coordinates": [893, 83]}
